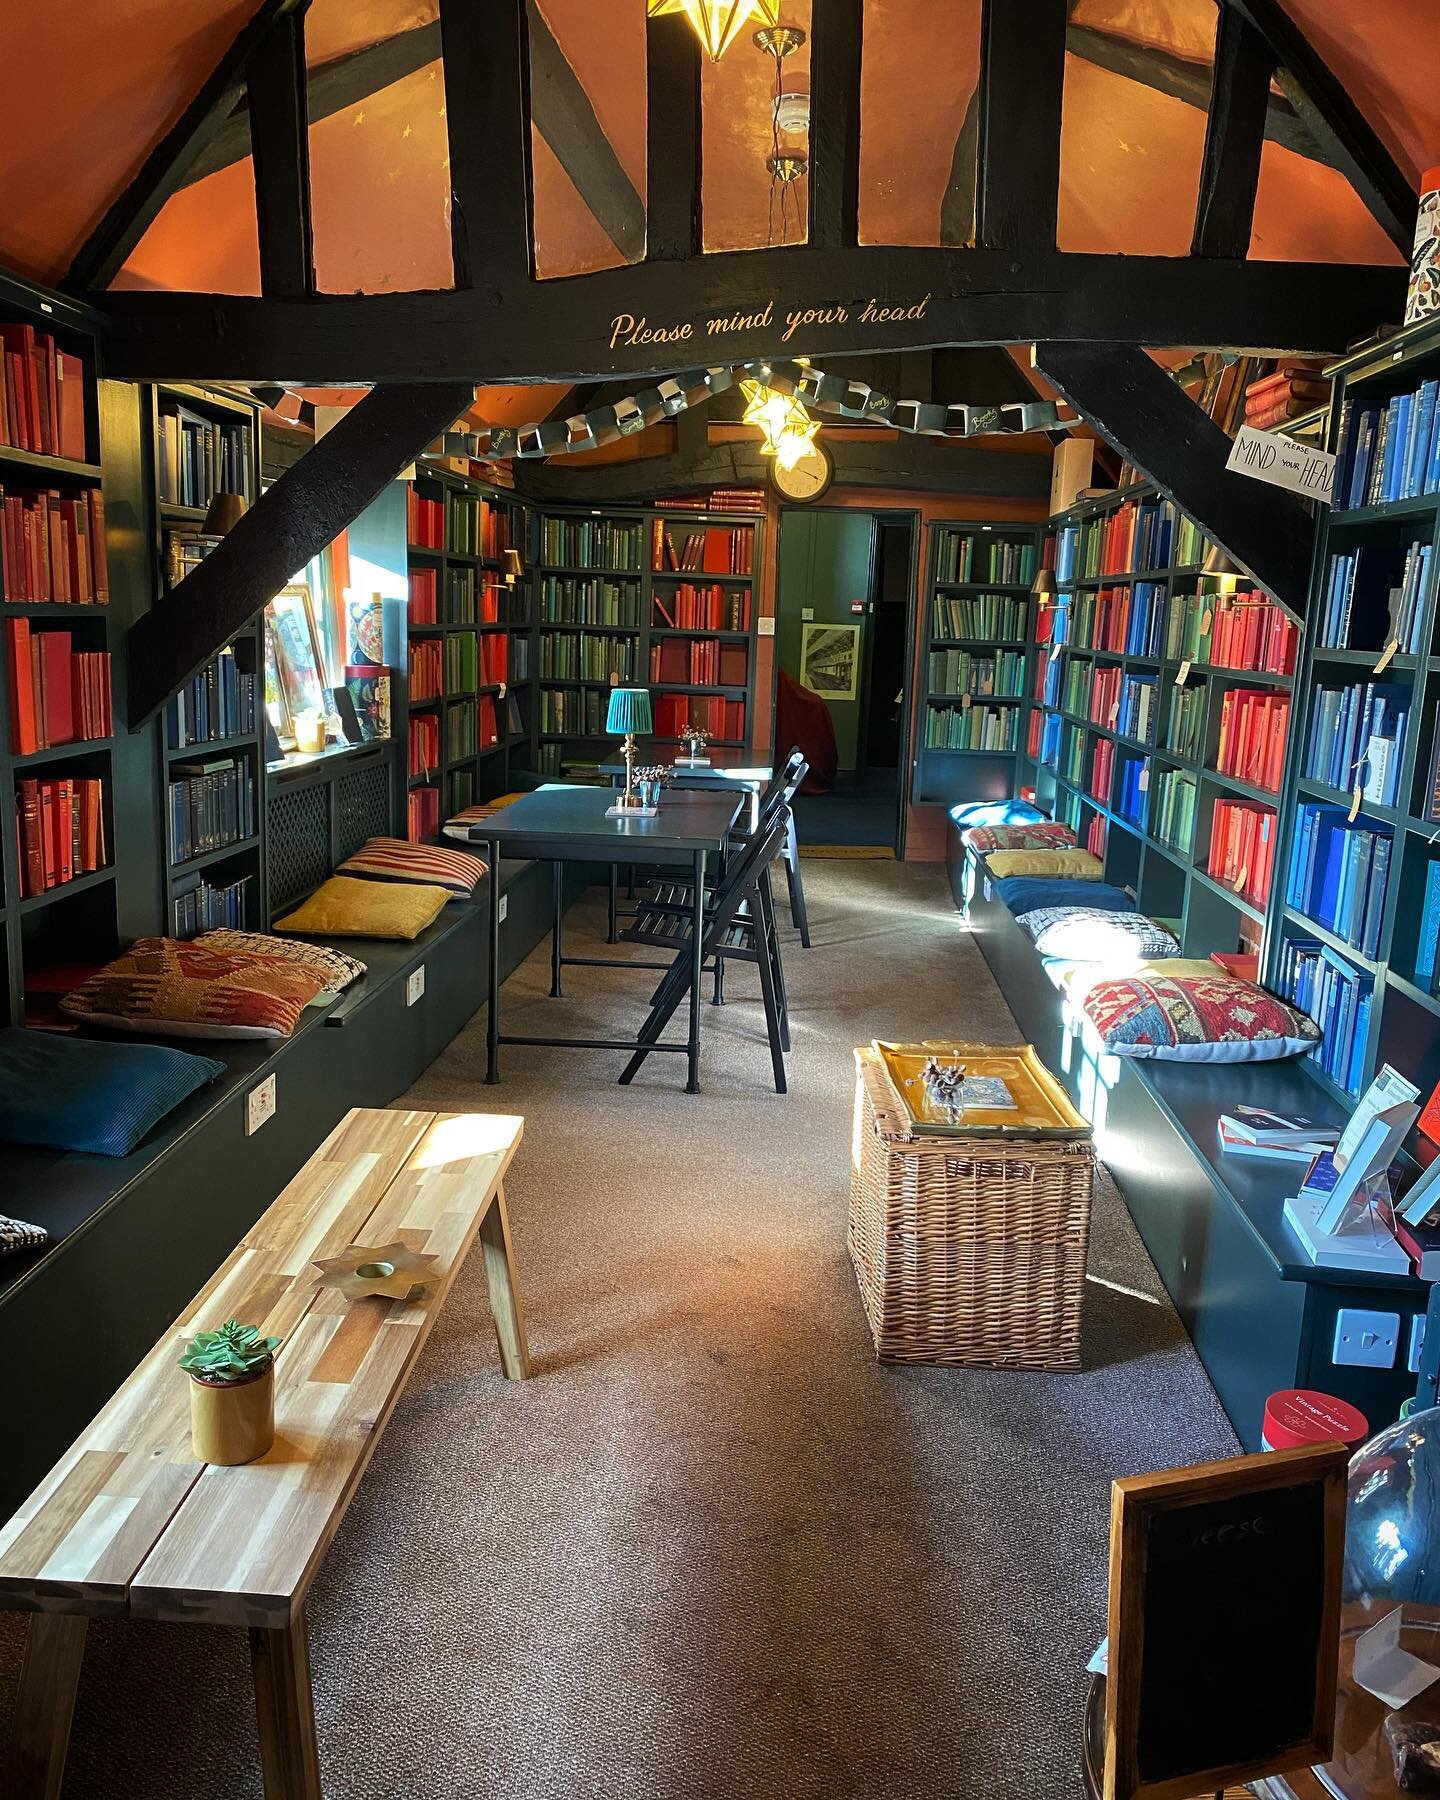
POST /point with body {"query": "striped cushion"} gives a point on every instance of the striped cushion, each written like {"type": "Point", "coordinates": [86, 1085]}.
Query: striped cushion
{"type": "Point", "coordinates": [15, 1235]}
{"type": "Point", "coordinates": [74, 1093]}
{"type": "Point", "coordinates": [459, 827]}
{"type": "Point", "coordinates": [338, 969]}
{"type": "Point", "coordinates": [174, 989]}
{"type": "Point", "coordinates": [392, 859]}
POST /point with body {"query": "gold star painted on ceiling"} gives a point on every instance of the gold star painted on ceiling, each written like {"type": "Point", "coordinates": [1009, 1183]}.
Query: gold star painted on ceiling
{"type": "Point", "coordinates": [409, 131]}
{"type": "Point", "coordinates": [359, 118]}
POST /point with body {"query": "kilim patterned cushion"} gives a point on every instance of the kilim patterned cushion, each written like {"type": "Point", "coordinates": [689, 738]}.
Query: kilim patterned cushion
{"type": "Point", "coordinates": [175, 989]}
{"type": "Point", "coordinates": [1090, 934]}
{"type": "Point", "coordinates": [15, 1235]}
{"type": "Point", "coordinates": [1196, 1018]}
{"type": "Point", "coordinates": [338, 969]}
{"type": "Point", "coordinates": [1046, 836]}
{"type": "Point", "coordinates": [393, 859]}
{"type": "Point", "coordinates": [74, 1093]}
{"type": "Point", "coordinates": [459, 827]}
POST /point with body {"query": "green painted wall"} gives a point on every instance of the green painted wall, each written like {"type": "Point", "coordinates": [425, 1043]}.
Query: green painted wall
{"type": "Point", "coordinates": [824, 564]}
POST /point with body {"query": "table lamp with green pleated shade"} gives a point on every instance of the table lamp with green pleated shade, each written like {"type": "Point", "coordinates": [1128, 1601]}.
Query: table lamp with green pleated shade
{"type": "Point", "coordinates": [629, 717]}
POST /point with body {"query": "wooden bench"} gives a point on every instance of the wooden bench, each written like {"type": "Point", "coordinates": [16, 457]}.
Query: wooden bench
{"type": "Point", "coordinates": [128, 1524]}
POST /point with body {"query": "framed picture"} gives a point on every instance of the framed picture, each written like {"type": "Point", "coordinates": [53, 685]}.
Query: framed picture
{"type": "Point", "coordinates": [294, 666]}
{"type": "Point", "coordinates": [830, 660]}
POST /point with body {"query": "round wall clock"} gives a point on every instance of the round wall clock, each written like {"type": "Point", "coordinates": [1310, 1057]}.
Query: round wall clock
{"type": "Point", "coordinates": [808, 479]}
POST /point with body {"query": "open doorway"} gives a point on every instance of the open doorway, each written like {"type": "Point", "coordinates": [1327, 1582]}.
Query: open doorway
{"type": "Point", "coordinates": [843, 625]}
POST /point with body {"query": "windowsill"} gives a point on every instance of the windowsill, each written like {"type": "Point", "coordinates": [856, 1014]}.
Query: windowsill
{"type": "Point", "coordinates": [296, 762]}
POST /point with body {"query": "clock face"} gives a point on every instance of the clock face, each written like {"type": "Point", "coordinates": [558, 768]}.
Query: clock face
{"type": "Point", "coordinates": [809, 478]}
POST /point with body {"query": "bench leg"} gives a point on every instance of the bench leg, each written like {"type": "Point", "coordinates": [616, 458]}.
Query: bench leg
{"type": "Point", "coordinates": [504, 1289]}
{"type": "Point", "coordinates": [45, 1705]}
{"type": "Point", "coordinates": [285, 1711]}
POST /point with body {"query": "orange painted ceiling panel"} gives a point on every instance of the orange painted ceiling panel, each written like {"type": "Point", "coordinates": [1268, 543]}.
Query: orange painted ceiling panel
{"type": "Point", "coordinates": [908, 131]}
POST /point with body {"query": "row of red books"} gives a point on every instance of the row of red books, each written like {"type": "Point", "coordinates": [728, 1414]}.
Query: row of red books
{"type": "Point", "coordinates": [423, 814]}
{"type": "Point", "coordinates": [710, 608]}
{"type": "Point", "coordinates": [424, 597]}
{"type": "Point", "coordinates": [426, 680]}
{"type": "Point", "coordinates": [42, 394]}
{"type": "Point", "coordinates": [1095, 838]}
{"type": "Point", "coordinates": [1250, 632]}
{"type": "Point", "coordinates": [1112, 619]}
{"type": "Point", "coordinates": [723, 719]}
{"type": "Point", "coordinates": [1296, 386]}
{"type": "Point", "coordinates": [494, 657]}
{"type": "Point", "coordinates": [731, 500]}
{"type": "Point", "coordinates": [703, 662]}
{"type": "Point", "coordinates": [1242, 848]}
{"type": "Point", "coordinates": [58, 694]}
{"type": "Point", "coordinates": [61, 826]}
{"type": "Point", "coordinates": [714, 550]}
{"type": "Point", "coordinates": [424, 743]}
{"type": "Point", "coordinates": [1105, 695]}
{"type": "Point", "coordinates": [1253, 724]}
{"type": "Point", "coordinates": [1117, 546]}
{"type": "Point", "coordinates": [1034, 731]}
{"type": "Point", "coordinates": [494, 529]}
{"type": "Point", "coordinates": [424, 521]}
{"type": "Point", "coordinates": [1102, 770]}
{"type": "Point", "coordinates": [52, 547]}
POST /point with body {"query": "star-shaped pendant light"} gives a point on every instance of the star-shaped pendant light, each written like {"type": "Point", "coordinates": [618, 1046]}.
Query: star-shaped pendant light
{"type": "Point", "coordinates": [787, 427]}
{"type": "Point", "coordinates": [718, 22]}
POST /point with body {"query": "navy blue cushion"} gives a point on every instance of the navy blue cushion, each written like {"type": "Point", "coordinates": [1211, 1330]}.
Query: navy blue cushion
{"type": "Point", "coordinates": [1024, 893]}
{"type": "Point", "coordinates": [995, 812]}
{"type": "Point", "coordinates": [79, 1094]}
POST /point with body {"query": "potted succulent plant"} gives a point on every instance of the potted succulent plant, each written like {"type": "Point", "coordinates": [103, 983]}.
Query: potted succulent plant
{"type": "Point", "coordinates": [232, 1393]}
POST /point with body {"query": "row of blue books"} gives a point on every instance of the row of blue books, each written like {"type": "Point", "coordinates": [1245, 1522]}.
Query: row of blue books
{"type": "Point", "coordinates": [1050, 740]}
{"type": "Point", "coordinates": [1136, 718]}
{"type": "Point", "coordinates": [1145, 630]}
{"type": "Point", "coordinates": [1391, 451]}
{"type": "Point", "coordinates": [1428, 954]}
{"type": "Point", "coordinates": [1375, 596]}
{"type": "Point", "coordinates": [1357, 738]}
{"type": "Point", "coordinates": [217, 703]}
{"type": "Point", "coordinates": [1338, 874]}
{"type": "Point", "coordinates": [1337, 997]}
{"type": "Point", "coordinates": [1134, 780]}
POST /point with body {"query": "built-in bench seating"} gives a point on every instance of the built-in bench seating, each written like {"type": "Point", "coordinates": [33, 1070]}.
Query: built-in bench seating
{"type": "Point", "coordinates": [1262, 1316]}
{"type": "Point", "coordinates": [131, 1238]}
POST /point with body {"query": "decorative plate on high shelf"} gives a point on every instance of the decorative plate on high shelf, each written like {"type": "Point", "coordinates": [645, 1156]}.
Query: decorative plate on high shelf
{"type": "Point", "coordinates": [1037, 1104]}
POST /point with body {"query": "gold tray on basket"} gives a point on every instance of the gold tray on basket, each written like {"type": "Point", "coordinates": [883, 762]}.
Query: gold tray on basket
{"type": "Point", "coordinates": [1042, 1108]}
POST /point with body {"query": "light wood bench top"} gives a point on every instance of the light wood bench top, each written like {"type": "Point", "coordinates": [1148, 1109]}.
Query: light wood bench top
{"type": "Point", "coordinates": [128, 1522]}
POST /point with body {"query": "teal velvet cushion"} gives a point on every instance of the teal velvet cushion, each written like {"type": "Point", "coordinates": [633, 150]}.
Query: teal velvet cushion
{"type": "Point", "coordinates": [73, 1093]}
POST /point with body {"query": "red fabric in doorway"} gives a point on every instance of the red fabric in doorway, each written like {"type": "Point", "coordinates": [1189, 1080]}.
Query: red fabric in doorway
{"type": "Point", "coordinates": [802, 721]}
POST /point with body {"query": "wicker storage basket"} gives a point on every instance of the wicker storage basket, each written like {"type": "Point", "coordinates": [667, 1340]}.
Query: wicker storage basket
{"type": "Point", "coordinates": [966, 1251]}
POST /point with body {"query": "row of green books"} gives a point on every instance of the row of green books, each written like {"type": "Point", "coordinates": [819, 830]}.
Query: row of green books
{"type": "Point", "coordinates": [972, 727]}
{"type": "Point", "coordinates": [589, 600]}
{"type": "Point", "coordinates": [963, 672]}
{"type": "Point", "coordinates": [980, 616]}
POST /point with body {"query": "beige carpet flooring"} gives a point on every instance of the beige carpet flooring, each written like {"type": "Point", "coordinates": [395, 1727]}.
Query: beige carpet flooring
{"type": "Point", "coordinates": [712, 1551]}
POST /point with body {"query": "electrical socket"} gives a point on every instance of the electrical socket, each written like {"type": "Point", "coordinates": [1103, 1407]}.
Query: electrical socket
{"type": "Point", "coordinates": [415, 985]}
{"type": "Point", "coordinates": [504, 907]}
{"type": "Point", "coordinates": [259, 1106]}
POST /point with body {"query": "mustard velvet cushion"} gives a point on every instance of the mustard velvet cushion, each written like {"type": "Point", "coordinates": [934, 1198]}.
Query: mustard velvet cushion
{"type": "Point", "coordinates": [344, 907]}
{"type": "Point", "coordinates": [1072, 865]}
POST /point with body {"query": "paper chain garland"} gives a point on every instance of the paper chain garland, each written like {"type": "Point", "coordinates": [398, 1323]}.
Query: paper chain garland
{"type": "Point", "coordinates": [835, 394]}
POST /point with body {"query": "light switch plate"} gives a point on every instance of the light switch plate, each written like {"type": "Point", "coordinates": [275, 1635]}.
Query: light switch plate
{"type": "Point", "coordinates": [259, 1106]}
{"type": "Point", "coordinates": [504, 907]}
{"type": "Point", "coordinates": [765, 627]}
{"type": "Point", "coordinates": [807, 612]}
{"type": "Point", "coordinates": [414, 985]}
{"type": "Point", "coordinates": [1366, 1340]}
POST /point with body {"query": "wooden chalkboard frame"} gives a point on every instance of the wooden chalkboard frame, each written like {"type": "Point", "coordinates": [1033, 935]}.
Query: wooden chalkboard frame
{"type": "Point", "coordinates": [1136, 1505]}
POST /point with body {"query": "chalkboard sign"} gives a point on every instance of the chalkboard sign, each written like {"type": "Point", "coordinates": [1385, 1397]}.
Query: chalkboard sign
{"type": "Point", "coordinates": [1224, 1622]}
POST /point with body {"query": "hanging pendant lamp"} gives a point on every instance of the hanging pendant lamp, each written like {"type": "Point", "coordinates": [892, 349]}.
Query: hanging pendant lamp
{"type": "Point", "coordinates": [717, 22]}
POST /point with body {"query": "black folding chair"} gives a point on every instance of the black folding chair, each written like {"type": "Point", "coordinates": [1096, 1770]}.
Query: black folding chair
{"type": "Point", "coordinates": [780, 796]}
{"type": "Point", "coordinates": [739, 926]}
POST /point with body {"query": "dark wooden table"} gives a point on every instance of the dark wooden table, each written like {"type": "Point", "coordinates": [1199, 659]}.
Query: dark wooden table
{"type": "Point", "coordinates": [560, 824]}
{"type": "Point", "coordinates": [726, 769]}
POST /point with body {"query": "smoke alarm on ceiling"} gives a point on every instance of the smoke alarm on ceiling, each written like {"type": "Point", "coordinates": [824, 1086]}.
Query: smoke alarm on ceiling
{"type": "Point", "coordinates": [792, 113]}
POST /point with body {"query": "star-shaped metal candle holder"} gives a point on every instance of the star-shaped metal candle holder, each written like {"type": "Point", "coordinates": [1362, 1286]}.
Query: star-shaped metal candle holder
{"type": "Point", "coordinates": [391, 1271]}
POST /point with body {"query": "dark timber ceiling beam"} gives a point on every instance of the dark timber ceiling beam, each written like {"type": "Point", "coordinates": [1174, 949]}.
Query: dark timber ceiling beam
{"type": "Point", "coordinates": [672, 138]}
{"type": "Point", "coordinates": [1332, 117]}
{"type": "Point", "coordinates": [487, 120]}
{"type": "Point", "coordinates": [836, 44]}
{"type": "Point", "coordinates": [280, 142]}
{"type": "Point", "coordinates": [1022, 78]}
{"type": "Point", "coordinates": [1234, 138]}
{"type": "Point", "coordinates": [704, 311]}
{"type": "Point", "coordinates": [109, 246]}
{"type": "Point", "coordinates": [1137, 407]}
{"type": "Point", "coordinates": [291, 522]}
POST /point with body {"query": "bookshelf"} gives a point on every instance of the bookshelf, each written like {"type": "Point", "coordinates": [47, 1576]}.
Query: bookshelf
{"type": "Point", "coordinates": [470, 683]}
{"type": "Point", "coordinates": [1359, 945]}
{"type": "Point", "coordinates": [977, 621]}
{"type": "Point", "coordinates": [1159, 704]}
{"type": "Point", "coordinates": [202, 442]}
{"type": "Point", "coordinates": [57, 736]}
{"type": "Point", "coordinates": [658, 597]}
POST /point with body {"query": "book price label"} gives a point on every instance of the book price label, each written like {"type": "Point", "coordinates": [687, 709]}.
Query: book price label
{"type": "Point", "coordinates": [1355, 799]}
{"type": "Point", "coordinates": [1388, 652]}
{"type": "Point", "coordinates": [1182, 674]}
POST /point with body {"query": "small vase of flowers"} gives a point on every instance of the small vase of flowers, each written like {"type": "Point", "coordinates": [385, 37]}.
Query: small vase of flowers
{"type": "Point", "coordinates": [648, 783]}
{"type": "Point", "coordinates": [694, 738]}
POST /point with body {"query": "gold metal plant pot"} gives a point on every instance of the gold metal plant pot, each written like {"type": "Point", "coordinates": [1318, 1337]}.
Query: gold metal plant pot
{"type": "Point", "coordinates": [233, 1421]}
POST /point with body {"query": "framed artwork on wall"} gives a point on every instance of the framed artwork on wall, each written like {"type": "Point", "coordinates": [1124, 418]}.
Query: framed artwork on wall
{"type": "Point", "coordinates": [294, 663]}
{"type": "Point", "coordinates": [830, 660]}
